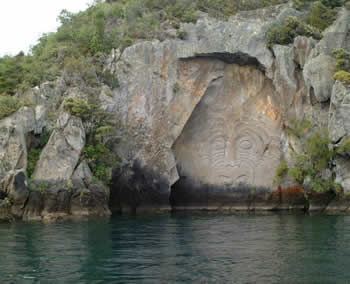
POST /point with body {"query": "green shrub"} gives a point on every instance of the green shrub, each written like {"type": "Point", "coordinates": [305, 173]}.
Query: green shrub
{"type": "Point", "coordinates": [101, 161]}
{"type": "Point", "coordinates": [343, 59]}
{"type": "Point", "coordinates": [176, 87]}
{"type": "Point", "coordinates": [110, 79]}
{"type": "Point", "coordinates": [181, 34]}
{"type": "Point", "coordinates": [9, 105]}
{"type": "Point", "coordinates": [33, 158]}
{"type": "Point", "coordinates": [342, 76]}
{"type": "Point", "coordinates": [281, 172]}
{"type": "Point", "coordinates": [317, 150]}
{"type": "Point", "coordinates": [301, 4]}
{"type": "Point", "coordinates": [340, 53]}
{"type": "Point", "coordinates": [79, 108]}
{"type": "Point", "coordinates": [298, 128]}
{"type": "Point", "coordinates": [40, 186]}
{"type": "Point", "coordinates": [101, 127]}
{"type": "Point", "coordinates": [297, 174]}
{"type": "Point", "coordinates": [98, 152]}
{"type": "Point", "coordinates": [321, 16]}
{"type": "Point", "coordinates": [291, 28]}
{"type": "Point", "coordinates": [344, 148]}
{"type": "Point", "coordinates": [34, 153]}
{"type": "Point", "coordinates": [315, 159]}
{"type": "Point", "coordinates": [333, 3]}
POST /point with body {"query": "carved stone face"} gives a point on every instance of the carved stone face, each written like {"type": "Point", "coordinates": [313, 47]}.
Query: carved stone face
{"type": "Point", "coordinates": [233, 135]}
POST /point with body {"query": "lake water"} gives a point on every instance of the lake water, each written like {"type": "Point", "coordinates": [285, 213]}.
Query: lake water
{"type": "Point", "coordinates": [197, 248]}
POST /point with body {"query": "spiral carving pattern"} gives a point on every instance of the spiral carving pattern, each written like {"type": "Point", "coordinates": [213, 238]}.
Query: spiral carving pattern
{"type": "Point", "coordinates": [231, 138]}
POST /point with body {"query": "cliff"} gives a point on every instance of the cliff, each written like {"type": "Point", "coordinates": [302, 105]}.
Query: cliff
{"type": "Point", "coordinates": [204, 122]}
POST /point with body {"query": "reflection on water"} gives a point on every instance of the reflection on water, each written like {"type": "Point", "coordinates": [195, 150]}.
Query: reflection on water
{"type": "Point", "coordinates": [179, 249]}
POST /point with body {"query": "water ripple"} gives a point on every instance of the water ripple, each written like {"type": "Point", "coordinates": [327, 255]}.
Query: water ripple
{"type": "Point", "coordinates": [179, 249]}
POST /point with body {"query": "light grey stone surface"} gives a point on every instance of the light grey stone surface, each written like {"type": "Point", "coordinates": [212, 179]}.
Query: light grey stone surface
{"type": "Point", "coordinates": [339, 112]}
{"type": "Point", "coordinates": [61, 154]}
{"type": "Point", "coordinates": [342, 171]}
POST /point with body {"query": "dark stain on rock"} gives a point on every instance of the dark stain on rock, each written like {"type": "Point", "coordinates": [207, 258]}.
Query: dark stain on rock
{"type": "Point", "coordinates": [139, 189]}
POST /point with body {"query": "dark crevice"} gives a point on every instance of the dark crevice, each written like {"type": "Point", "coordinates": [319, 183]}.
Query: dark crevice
{"type": "Point", "coordinates": [313, 99]}
{"type": "Point", "coordinates": [272, 52]}
{"type": "Point", "coordinates": [338, 141]}
{"type": "Point", "coordinates": [3, 195]}
{"type": "Point", "coordinates": [238, 58]}
{"type": "Point", "coordinates": [326, 104]}
{"type": "Point", "coordinates": [297, 66]}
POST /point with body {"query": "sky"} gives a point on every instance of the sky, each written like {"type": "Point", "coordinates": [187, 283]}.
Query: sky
{"type": "Point", "coordinates": [22, 22]}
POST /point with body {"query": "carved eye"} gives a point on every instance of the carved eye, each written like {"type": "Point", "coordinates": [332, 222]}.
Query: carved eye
{"type": "Point", "coordinates": [245, 144]}
{"type": "Point", "coordinates": [242, 179]}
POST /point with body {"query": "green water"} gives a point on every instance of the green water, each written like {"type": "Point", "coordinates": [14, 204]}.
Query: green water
{"type": "Point", "coordinates": [179, 249]}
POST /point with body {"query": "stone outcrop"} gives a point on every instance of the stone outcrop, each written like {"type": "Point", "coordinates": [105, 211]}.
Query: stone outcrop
{"type": "Point", "coordinates": [206, 122]}
{"type": "Point", "coordinates": [59, 188]}
{"type": "Point", "coordinates": [61, 154]}
{"type": "Point", "coordinates": [207, 114]}
{"type": "Point", "coordinates": [339, 124]}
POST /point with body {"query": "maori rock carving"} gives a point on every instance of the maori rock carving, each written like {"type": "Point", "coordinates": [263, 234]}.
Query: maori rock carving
{"type": "Point", "coordinates": [233, 135]}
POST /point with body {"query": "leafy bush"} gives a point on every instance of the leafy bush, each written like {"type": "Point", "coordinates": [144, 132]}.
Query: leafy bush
{"type": "Point", "coordinates": [33, 158]}
{"type": "Point", "coordinates": [291, 28]}
{"type": "Point", "coordinates": [181, 34]}
{"type": "Point", "coordinates": [281, 171]}
{"type": "Point", "coordinates": [101, 161]}
{"type": "Point", "coordinates": [97, 151]}
{"type": "Point", "coordinates": [9, 105]}
{"type": "Point", "coordinates": [342, 76]}
{"type": "Point", "coordinates": [301, 4]}
{"type": "Point", "coordinates": [333, 3]}
{"type": "Point", "coordinates": [79, 108]}
{"type": "Point", "coordinates": [344, 148]}
{"type": "Point", "coordinates": [321, 16]}
{"type": "Point", "coordinates": [34, 153]}
{"type": "Point", "coordinates": [313, 161]}
{"type": "Point", "coordinates": [298, 128]}
{"type": "Point", "coordinates": [110, 79]}
{"type": "Point", "coordinates": [343, 59]}
{"type": "Point", "coordinates": [226, 8]}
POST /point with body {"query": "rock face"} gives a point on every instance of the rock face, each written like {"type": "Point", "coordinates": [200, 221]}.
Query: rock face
{"type": "Point", "coordinates": [339, 124]}
{"type": "Point", "coordinates": [207, 115]}
{"type": "Point", "coordinates": [233, 135]}
{"type": "Point", "coordinates": [61, 154]}
{"type": "Point", "coordinates": [206, 119]}
{"type": "Point", "coordinates": [59, 188]}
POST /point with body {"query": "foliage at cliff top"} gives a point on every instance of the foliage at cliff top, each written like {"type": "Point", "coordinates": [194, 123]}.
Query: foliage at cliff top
{"type": "Point", "coordinates": [342, 71]}
{"type": "Point", "coordinates": [90, 34]}
{"type": "Point", "coordinates": [291, 28]}
{"type": "Point", "coordinates": [321, 14]}
{"type": "Point", "coordinates": [103, 26]}
{"type": "Point", "coordinates": [8, 105]}
{"type": "Point", "coordinates": [342, 76]}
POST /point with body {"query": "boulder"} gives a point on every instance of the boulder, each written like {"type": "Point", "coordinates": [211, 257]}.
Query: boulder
{"type": "Point", "coordinates": [61, 154]}
{"type": "Point", "coordinates": [318, 75]}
